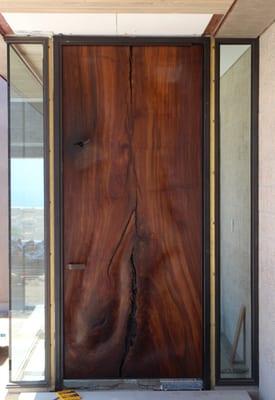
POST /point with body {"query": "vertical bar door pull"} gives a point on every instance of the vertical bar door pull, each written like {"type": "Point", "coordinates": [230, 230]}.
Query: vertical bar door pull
{"type": "Point", "coordinates": [73, 267]}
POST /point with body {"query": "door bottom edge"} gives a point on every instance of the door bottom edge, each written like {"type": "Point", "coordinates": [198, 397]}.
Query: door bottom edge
{"type": "Point", "coordinates": [135, 384]}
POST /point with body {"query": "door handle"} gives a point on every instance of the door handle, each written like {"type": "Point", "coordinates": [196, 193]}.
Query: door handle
{"type": "Point", "coordinates": [75, 267]}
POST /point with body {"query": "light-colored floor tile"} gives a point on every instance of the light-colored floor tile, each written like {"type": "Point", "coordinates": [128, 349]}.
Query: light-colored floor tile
{"type": "Point", "coordinates": [145, 395]}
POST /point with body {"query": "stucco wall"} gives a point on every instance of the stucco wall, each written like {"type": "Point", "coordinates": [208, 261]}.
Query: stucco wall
{"type": "Point", "coordinates": [267, 214]}
{"type": "Point", "coordinates": [235, 86]}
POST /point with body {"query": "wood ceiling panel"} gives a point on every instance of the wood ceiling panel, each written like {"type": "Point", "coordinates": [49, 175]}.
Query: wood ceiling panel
{"type": "Point", "coordinates": [5, 29]}
{"type": "Point", "coordinates": [248, 18]}
{"type": "Point", "coordinates": [3, 58]}
{"type": "Point", "coordinates": [213, 25]}
{"type": "Point", "coordinates": [110, 6]}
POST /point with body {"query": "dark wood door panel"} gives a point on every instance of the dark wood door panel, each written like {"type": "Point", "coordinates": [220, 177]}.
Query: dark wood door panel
{"type": "Point", "coordinates": [166, 90]}
{"type": "Point", "coordinates": [132, 194]}
{"type": "Point", "coordinates": [98, 200]}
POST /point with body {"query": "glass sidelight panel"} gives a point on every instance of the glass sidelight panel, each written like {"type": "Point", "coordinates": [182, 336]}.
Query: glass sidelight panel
{"type": "Point", "coordinates": [236, 205]}
{"type": "Point", "coordinates": [28, 260]}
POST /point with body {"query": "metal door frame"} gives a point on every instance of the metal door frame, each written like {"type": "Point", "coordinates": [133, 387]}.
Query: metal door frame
{"type": "Point", "coordinates": [12, 40]}
{"type": "Point", "coordinates": [162, 384]}
{"type": "Point", "coordinates": [254, 215]}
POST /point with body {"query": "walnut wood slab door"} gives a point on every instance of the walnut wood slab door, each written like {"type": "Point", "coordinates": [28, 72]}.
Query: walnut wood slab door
{"type": "Point", "coordinates": [132, 211]}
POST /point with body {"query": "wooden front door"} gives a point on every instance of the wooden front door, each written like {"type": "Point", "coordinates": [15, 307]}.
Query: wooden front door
{"type": "Point", "coordinates": [132, 211]}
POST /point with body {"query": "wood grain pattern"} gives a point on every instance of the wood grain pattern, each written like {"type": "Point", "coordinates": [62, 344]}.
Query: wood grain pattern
{"type": "Point", "coordinates": [214, 24]}
{"type": "Point", "coordinates": [5, 29]}
{"type": "Point", "coordinates": [133, 211]}
{"type": "Point", "coordinates": [247, 19]}
{"type": "Point", "coordinates": [98, 202]}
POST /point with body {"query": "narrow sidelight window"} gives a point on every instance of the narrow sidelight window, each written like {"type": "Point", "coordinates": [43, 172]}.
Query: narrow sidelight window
{"type": "Point", "coordinates": [237, 213]}
{"type": "Point", "coordinates": [28, 211]}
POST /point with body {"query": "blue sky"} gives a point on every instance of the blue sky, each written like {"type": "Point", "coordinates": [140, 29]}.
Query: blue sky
{"type": "Point", "coordinates": [27, 182]}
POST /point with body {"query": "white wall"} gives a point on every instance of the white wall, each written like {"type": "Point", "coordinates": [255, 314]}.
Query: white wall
{"type": "Point", "coordinates": [267, 214]}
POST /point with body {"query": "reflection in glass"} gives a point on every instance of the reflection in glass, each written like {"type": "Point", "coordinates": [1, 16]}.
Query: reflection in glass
{"type": "Point", "coordinates": [235, 211]}
{"type": "Point", "coordinates": [27, 213]}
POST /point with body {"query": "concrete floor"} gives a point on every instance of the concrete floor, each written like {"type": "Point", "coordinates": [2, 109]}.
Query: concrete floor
{"type": "Point", "coordinates": [148, 395]}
